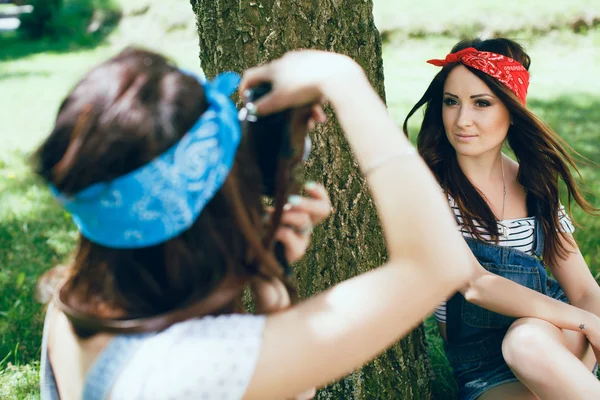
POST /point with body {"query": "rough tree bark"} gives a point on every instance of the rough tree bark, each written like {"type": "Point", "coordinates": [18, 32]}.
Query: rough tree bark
{"type": "Point", "coordinates": [238, 34]}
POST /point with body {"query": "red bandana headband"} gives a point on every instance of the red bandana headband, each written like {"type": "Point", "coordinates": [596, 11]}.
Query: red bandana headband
{"type": "Point", "coordinates": [506, 70]}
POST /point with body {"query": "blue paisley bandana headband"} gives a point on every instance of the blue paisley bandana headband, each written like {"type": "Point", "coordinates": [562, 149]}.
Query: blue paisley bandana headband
{"type": "Point", "coordinates": [163, 198]}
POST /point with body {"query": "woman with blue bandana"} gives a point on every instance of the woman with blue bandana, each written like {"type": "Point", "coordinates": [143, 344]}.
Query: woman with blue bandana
{"type": "Point", "coordinates": [150, 163]}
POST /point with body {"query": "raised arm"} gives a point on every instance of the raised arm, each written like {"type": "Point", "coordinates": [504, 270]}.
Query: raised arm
{"type": "Point", "coordinates": [327, 336]}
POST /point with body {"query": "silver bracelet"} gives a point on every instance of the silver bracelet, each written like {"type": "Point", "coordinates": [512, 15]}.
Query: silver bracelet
{"type": "Point", "coordinates": [381, 161]}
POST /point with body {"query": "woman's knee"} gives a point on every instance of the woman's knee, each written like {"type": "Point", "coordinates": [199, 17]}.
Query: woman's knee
{"type": "Point", "coordinates": [527, 342]}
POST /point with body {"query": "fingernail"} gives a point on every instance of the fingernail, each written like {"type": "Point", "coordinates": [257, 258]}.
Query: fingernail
{"type": "Point", "coordinates": [295, 200]}
{"type": "Point", "coordinates": [287, 207]}
{"type": "Point", "coordinates": [251, 108]}
{"type": "Point", "coordinates": [310, 185]}
{"type": "Point", "coordinates": [247, 94]}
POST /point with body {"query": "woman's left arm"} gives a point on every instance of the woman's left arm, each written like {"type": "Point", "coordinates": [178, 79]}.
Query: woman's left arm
{"type": "Point", "coordinates": [575, 278]}
{"type": "Point", "coordinates": [302, 212]}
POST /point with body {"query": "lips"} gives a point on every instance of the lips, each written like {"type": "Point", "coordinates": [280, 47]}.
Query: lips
{"type": "Point", "coordinates": [464, 137]}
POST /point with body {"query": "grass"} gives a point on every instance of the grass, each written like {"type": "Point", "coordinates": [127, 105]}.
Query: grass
{"type": "Point", "coordinates": [34, 235]}
{"type": "Point", "coordinates": [81, 24]}
{"type": "Point", "coordinates": [20, 382]}
{"type": "Point", "coordinates": [579, 118]}
{"type": "Point", "coordinates": [34, 76]}
{"type": "Point", "coordinates": [466, 17]}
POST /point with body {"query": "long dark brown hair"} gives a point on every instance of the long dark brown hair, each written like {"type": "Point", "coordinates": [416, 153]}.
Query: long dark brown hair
{"type": "Point", "coordinates": [121, 115]}
{"type": "Point", "coordinates": [543, 156]}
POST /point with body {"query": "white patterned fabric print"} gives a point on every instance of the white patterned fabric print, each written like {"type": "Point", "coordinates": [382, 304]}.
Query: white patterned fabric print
{"type": "Point", "coordinates": [200, 359]}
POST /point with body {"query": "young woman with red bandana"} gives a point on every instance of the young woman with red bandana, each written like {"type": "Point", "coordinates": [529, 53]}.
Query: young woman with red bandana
{"type": "Point", "coordinates": [513, 331]}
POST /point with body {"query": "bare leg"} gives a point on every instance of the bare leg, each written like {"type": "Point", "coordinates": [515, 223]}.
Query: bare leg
{"type": "Point", "coordinates": [513, 391]}
{"type": "Point", "coordinates": [552, 363]}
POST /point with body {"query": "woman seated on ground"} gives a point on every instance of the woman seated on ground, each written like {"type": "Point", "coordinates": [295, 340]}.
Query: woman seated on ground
{"type": "Point", "coordinates": [510, 215]}
{"type": "Point", "coordinates": [145, 158]}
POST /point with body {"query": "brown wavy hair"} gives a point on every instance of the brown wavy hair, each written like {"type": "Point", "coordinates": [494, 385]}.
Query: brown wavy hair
{"type": "Point", "coordinates": [121, 115]}
{"type": "Point", "coordinates": [543, 156]}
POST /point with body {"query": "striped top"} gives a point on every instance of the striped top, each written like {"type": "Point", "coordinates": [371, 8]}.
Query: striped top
{"type": "Point", "coordinates": [520, 237]}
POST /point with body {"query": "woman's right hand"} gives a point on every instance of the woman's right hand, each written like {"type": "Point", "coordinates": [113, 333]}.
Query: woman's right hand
{"type": "Point", "coordinates": [300, 78]}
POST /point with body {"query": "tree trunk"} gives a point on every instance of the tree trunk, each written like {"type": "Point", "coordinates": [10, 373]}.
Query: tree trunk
{"type": "Point", "coordinates": [235, 35]}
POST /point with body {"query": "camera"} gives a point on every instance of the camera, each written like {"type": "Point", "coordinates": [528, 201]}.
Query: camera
{"type": "Point", "coordinates": [281, 145]}
{"type": "Point", "coordinates": [275, 141]}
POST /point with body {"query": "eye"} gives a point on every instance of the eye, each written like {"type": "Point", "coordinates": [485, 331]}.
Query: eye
{"type": "Point", "coordinates": [482, 103]}
{"type": "Point", "coordinates": [449, 101]}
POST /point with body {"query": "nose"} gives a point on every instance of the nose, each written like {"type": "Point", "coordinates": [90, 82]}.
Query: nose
{"type": "Point", "coordinates": [465, 118]}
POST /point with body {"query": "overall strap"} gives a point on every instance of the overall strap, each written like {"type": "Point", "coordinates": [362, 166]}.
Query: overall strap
{"type": "Point", "coordinates": [538, 245]}
{"type": "Point", "coordinates": [48, 388]}
{"type": "Point", "coordinates": [104, 372]}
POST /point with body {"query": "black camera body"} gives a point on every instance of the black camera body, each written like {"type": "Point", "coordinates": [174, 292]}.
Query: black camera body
{"type": "Point", "coordinates": [270, 138]}
{"type": "Point", "coordinates": [280, 144]}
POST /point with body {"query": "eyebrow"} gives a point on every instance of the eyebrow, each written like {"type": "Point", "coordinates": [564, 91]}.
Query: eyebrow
{"type": "Point", "coordinates": [475, 96]}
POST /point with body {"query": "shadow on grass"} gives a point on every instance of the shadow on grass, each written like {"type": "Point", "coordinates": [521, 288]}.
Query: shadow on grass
{"type": "Point", "coordinates": [35, 235]}
{"type": "Point", "coordinates": [576, 118]}
{"type": "Point", "coordinates": [81, 24]}
{"type": "Point", "coordinates": [28, 74]}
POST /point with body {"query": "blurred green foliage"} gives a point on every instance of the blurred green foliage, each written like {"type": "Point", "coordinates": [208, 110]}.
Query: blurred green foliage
{"type": "Point", "coordinates": [56, 18]}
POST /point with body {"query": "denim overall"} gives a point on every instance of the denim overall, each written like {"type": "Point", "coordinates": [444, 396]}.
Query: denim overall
{"type": "Point", "coordinates": [474, 346]}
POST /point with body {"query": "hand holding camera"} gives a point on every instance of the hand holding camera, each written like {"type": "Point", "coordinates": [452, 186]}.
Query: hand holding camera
{"type": "Point", "coordinates": [300, 78]}
{"type": "Point", "coordinates": [281, 145]}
